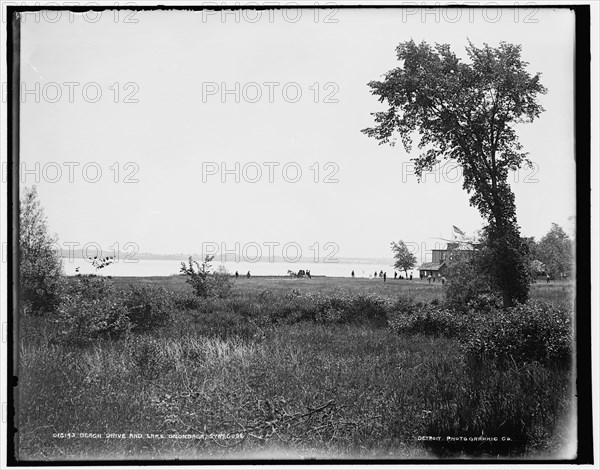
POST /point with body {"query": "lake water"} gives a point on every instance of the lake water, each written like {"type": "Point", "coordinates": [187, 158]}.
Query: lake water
{"type": "Point", "coordinates": [148, 267]}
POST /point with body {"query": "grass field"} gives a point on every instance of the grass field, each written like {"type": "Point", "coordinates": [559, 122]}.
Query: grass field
{"type": "Point", "coordinates": [559, 292]}
{"type": "Point", "coordinates": [207, 386]}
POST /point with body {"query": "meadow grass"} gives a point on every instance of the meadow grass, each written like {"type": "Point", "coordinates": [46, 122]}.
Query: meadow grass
{"type": "Point", "coordinates": [555, 292]}
{"type": "Point", "coordinates": [282, 390]}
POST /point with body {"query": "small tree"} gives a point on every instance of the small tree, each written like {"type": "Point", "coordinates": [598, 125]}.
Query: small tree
{"type": "Point", "coordinates": [197, 275]}
{"type": "Point", "coordinates": [40, 264]}
{"type": "Point", "coordinates": [205, 283]}
{"type": "Point", "coordinates": [555, 250]}
{"type": "Point", "coordinates": [405, 260]}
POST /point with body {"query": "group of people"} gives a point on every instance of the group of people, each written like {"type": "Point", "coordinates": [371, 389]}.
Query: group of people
{"type": "Point", "coordinates": [383, 275]}
{"type": "Point", "coordinates": [396, 275]}
{"type": "Point", "coordinates": [433, 278]}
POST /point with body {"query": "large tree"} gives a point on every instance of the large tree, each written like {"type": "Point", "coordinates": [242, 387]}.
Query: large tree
{"type": "Point", "coordinates": [405, 260]}
{"type": "Point", "coordinates": [40, 264]}
{"type": "Point", "coordinates": [555, 250]}
{"type": "Point", "coordinates": [466, 112]}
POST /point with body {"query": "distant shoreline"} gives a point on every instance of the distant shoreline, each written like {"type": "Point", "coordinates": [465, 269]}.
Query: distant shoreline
{"type": "Point", "coordinates": [184, 258]}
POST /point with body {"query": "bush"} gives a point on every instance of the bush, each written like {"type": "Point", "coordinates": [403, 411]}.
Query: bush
{"type": "Point", "coordinates": [269, 309]}
{"type": "Point", "coordinates": [243, 307]}
{"type": "Point", "coordinates": [90, 309]}
{"type": "Point", "coordinates": [217, 318]}
{"type": "Point", "coordinates": [93, 308]}
{"type": "Point", "coordinates": [292, 308]}
{"type": "Point", "coordinates": [337, 308]}
{"type": "Point", "coordinates": [356, 309]}
{"type": "Point", "coordinates": [428, 320]}
{"type": "Point", "coordinates": [205, 283]}
{"type": "Point", "coordinates": [405, 305]}
{"type": "Point", "coordinates": [535, 331]}
{"type": "Point", "coordinates": [91, 287]}
{"type": "Point", "coordinates": [82, 319]}
{"type": "Point", "coordinates": [148, 307]}
{"type": "Point", "coordinates": [186, 301]}
{"type": "Point", "coordinates": [469, 287]}
{"type": "Point", "coordinates": [220, 283]}
{"type": "Point", "coordinates": [508, 262]}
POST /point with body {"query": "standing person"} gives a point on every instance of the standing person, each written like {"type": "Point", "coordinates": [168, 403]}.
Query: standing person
{"type": "Point", "coordinates": [308, 274]}
{"type": "Point", "coordinates": [395, 274]}
{"type": "Point", "coordinates": [375, 274]}
{"type": "Point", "coordinates": [429, 278]}
{"type": "Point", "coordinates": [353, 273]}
{"type": "Point", "coordinates": [443, 280]}
{"type": "Point", "coordinates": [384, 276]}
{"type": "Point", "coordinates": [411, 276]}
{"type": "Point", "coordinates": [547, 278]}
{"type": "Point", "coordinates": [237, 274]}
{"type": "Point", "coordinates": [381, 273]}
{"type": "Point", "coordinates": [248, 275]}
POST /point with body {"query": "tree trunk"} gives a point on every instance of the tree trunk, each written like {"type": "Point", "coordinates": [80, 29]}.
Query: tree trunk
{"type": "Point", "coordinates": [507, 300]}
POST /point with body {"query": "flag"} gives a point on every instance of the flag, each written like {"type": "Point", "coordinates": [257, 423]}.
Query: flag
{"type": "Point", "coordinates": [456, 231]}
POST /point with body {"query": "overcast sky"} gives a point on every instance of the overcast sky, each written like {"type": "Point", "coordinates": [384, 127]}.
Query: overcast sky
{"type": "Point", "coordinates": [164, 123]}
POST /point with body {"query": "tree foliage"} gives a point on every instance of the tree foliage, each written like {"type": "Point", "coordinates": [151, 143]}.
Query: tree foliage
{"type": "Point", "coordinates": [471, 286]}
{"type": "Point", "coordinates": [40, 264]}
{"type": "Point", "coordinates": [405, 260]}
{"type": "Point", "coordinates": [466, 112]}
{"type": "Point", "coordinates": [205, 282]}
{"type": "Point", "coordinates": [555, 250]}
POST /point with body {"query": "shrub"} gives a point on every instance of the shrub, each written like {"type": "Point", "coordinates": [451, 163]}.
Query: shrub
{"type": "Point", "coordinates": [82, 319]}
{"type": "Point", "coordinates": [405, 305]}
{"type": "Point", "coordinates": [186, 301]}
{"type": "Point", "coordinates": [243, 307]}
{"type": "Point", "coordinates": [148, 307]}
{"type": "Point", "coordinates": [337, 308]}
{"type": "Point", "coordinates": [197, 275]}
{"type": "Point", "coordinates": [331, 315]}
{"type": "Point", "coordinates": [91, 287]}
{"type": "Point", "coordinates": [90, 309]}
{"type": "Point", "coordinates": [266, 295]}
{"type": "Point", "coordinates": [508, 262]}
{"type": "Point", "coordinates": [292, 308]}
{"type": "Point", "coordinates": [428, 320]}
{"type": "Point", "coordinates": [205, 283]}
{"type": "Point", "coordinates": [364, 309]}
{"type": "Point", "coordinates": [469, 287]}
{"type": "Point", "coordinates": [217, 318]}
{"type": "Point", "coordinates": [219, 283]}
{"type": "Point", "coordinates": [535, 331]}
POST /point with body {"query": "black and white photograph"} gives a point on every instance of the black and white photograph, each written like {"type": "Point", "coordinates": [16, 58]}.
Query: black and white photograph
{"type": "Point", "coordinates": [287, 233]}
